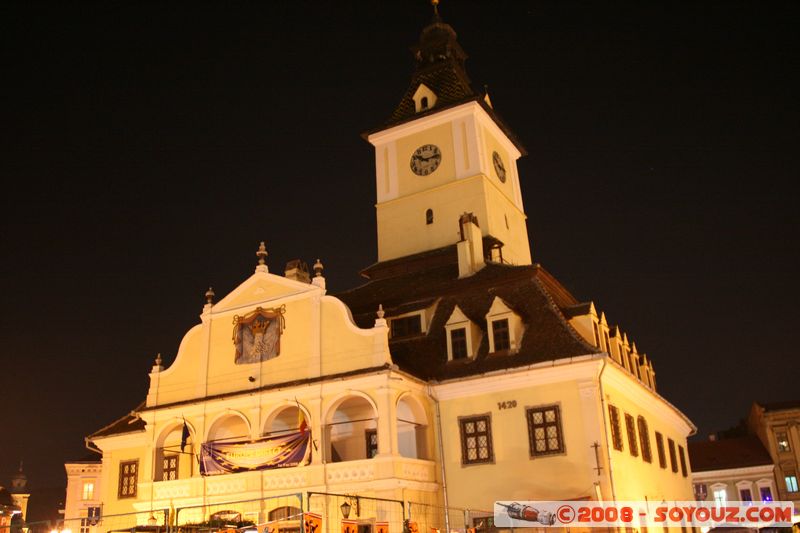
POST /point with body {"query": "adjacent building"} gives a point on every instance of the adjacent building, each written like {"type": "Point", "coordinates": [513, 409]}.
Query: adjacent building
{"type": "Point", "coordinates": [777, 425]}
{"type": "Point", "coordinates": [735, 469]}
{"type": "Point", "coordinates": [83, 500]}
{"type": "Point", "coordinates": [460, 373]}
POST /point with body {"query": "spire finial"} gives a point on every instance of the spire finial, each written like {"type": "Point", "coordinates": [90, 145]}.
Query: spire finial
{"type": "Point", "coordinates": [318, 268]}
{"type": "Point", "coordinates": [262, 254]}
{"type": "Point", "coordinates": [381, 312]}
{"type": "Point", "coordinates": [210, 296]}
{"type": "Point", "coordinates": [158, 360]}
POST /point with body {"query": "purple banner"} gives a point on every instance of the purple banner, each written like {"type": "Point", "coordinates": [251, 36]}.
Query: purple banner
{"type": "Point", "coordinates": [262, 454]}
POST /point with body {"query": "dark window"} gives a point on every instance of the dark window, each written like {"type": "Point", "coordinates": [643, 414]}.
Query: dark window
{"type": "Point", "coordinates": [766, 494]}
{"type": "Point", "coordinates": [682, 455]}
{"type": "Point", "coordinates": [544, 430]}
{"type": "Point", "coordinates": [644, 440]}
{"type": "Point", "coordinates": [502, 341]}
{"type": "Point", "coordinates": [92, 516]}
{"type": "Point", "coordinates": [285, 513]}
{"type": "Point", "coordinates": [633, 446]}
{"type": "Point", "coordinates": [128, 477]}
{"type": "Point", "coordinates": [429, 216]}
{"type": "Point", "coordinates": [170, 466]}
{"type": "Point", "coordinates": [476, 440]}
{"type": "Point", "coordinates": [662, 457]}
{"type": "Point", "coordinates": [673, 459]}
{"type": "Point", "coordinates": [616, 430]}
{"type": "Point", "coordinates": [745, 495]}
{"type": "Point", "coordinates": [596, 335]}
{"type": "Point", "coordinates": [423, 103]}
{"type": "Point", "coordinates": [407, 326]}
{"type": "Point", "coordinates": [458, 343]}
{"type": "Point", "coordinates": [372, 442]}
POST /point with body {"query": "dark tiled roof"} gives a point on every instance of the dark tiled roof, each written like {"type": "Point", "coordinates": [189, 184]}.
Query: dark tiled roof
{"type": "Point", "coordinates": [533, 293]}
{"type": "Point", "coordinates": [577, 310]}
{"type": "Point", "coordinates": [781, 406]}
{"type": "Point", "coordinates": [722, 454]}
{"type": "Point", "coordinates": [127, 424]}
{"type": "Point", "coordinates": [447, 81]}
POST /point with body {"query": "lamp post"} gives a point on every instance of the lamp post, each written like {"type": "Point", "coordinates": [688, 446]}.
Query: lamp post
{"type": "Point", "coordinates": [345, 508]}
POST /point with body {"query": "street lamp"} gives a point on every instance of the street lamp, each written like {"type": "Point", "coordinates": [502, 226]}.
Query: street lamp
{"type": "Point", "coordinates": [345, 507]}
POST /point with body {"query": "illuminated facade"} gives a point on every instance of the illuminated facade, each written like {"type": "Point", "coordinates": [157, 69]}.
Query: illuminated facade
{"type": "Point", "coordinates": [459, 374]}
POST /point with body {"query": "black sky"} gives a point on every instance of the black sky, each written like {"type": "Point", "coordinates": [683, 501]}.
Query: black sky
{"type": "Point", "coordinates": [147, 148]}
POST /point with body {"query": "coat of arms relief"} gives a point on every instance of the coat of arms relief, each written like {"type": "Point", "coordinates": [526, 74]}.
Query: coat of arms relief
{"type": "Point", "coordinates": [257, 336]}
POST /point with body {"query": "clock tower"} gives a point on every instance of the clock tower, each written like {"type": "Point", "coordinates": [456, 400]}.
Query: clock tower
{"type": "Point", "coordinates": [444, 152]}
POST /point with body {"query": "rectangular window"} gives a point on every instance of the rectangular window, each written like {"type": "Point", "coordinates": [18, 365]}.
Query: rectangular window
{"type": "Point", "coordinates": [662, 457]}
{"type": "Point", "coordinates": [644, 439]}
{"type": "Point", "coordinates": [544, 430]}
{"type": "Point", "coordinates": [745, 495]}
{"type": "Point", "coordinates": [616, 430]}
{"type": "Point", "coordinates": [502, 340]}
{"type": "Point", "coordinates": [169, 465]}
{"type": "Point", "coordinates": [476, 440]}
{"type": "Point", "coordinates": [372, 442]}
{"type": "Point", "coordinates": [673, 458]}
{"type": "Point", "coordinates": [682, 455]}
{"type": "Point", "coordinates": [720, 498]}
{"type": "Point", "coordinates": [766, 494]}
{"type": "Point", "coordinates": [92, 515]}
{"type": "Point", "coordinates": [406, 326]}
{"type": "Point", "coordinates": [782, 440]}
{"type": "Point", "coordinates": [128, 479]}
{"type": "Point", "coordinates": [791, 482]}
{"type": "Point", "coordinates": [633, 446]}
{"type": "Point", "coordinates": [458, 343]}
{"type": "Point", "coordinates": [88, 490]}
{"type": "Point", "coordinates": [596, 335]}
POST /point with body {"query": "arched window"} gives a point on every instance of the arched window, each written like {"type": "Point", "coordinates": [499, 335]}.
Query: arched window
{"type": "Point", "coordinates": [429, 216]}
{"type": "Point", "coordinates": [423, 103]}
{"type": "Point", "coordinates": [352, 431]}
{"type": "Point", "coordinates": [644, 439]}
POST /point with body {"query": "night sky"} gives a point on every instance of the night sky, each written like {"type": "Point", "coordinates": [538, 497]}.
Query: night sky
{"type": "Point", "coordinates": [148, 148]}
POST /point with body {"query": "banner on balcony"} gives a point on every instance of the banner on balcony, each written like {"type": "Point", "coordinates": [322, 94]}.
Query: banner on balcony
{"type": "Point", "coordinates": [262, 454]}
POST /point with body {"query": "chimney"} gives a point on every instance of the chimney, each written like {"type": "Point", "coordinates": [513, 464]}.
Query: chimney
{"type": "Point", "coordinates": [297, 270]}
{"type": "Point", "coordinates": [470, 247]}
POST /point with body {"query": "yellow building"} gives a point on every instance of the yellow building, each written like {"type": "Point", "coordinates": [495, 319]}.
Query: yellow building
{"type": "Point", "coordinates": [459, 374]}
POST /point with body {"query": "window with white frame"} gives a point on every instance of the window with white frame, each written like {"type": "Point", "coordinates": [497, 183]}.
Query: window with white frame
{"type": "Point", "coordinates": [504, 326]}
{"type": "Point", "coordinates": [720, 495]}
{"type": "Point", "coordinates": [765, 490]}
{"type": "Point", "coordinates": [745, 489]}
{"type": "Point", "coordinates": [463, 336]}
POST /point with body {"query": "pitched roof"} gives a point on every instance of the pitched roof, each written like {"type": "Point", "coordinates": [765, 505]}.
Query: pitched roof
{"type": "Point", "coordinates": [440, 66]}
{"type": "Point", "coordinates": [126, 424]}
{"type": "Point", "coordinates": [530, 290]}
{"type": "Point", "coordinates": [723, 454]}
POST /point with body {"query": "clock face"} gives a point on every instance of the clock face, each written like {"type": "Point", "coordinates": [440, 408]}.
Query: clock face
{"type": "Point", "coordinates": [499, 167]}
{"type": "Point", "coordinates": [426, 159]}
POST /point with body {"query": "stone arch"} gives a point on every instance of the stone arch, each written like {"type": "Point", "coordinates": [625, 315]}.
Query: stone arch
{"type": "Point", "coordinates": [229, 426]}
{"type": "Point", "coordinates": [412, 427]}
{"type": "Point", "coordinates": [285, 418]}
{"type": "Point", "coordinates": [171, 461]}
{"type": "Point", "coordinates": [351, 427]}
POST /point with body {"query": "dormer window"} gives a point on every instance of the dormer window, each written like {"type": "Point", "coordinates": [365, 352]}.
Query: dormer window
{"type": "Point", "coordinates": [463, 336]}
{"type": "Point", "coordinates": [505, 327]}
{"type": "Point", "coordinates": [500, 335]}
{"type": "Point", "coordinates": [424, 98]}
{"type": "Point", "coordinates": [406, 326]}
{"type": "Point", "coordinates": [429, 216]}
{"type": "Point", "coordinates": [458, 343]}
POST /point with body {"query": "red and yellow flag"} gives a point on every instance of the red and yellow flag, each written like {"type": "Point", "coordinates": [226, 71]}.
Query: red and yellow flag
{"type": "Point", "coordinates": [349, 526]}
